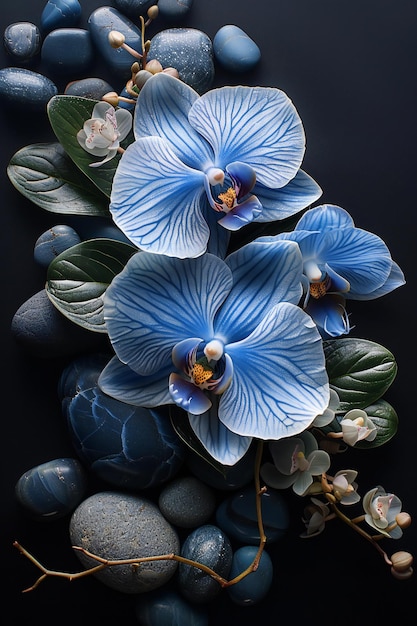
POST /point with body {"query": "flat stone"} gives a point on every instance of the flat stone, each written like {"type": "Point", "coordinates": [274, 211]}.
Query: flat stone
{"type": "Point", "coordinates": [235, 50]}
{"type": "Point", "coordinates": [67, 51]}
{"type": "Point", "coordinates": [24, 89]}
{"type": "Point", "coordinates": [22, 41]}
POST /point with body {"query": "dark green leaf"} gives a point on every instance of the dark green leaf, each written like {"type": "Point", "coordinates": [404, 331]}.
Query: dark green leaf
{"type": "Point", "coordinates": [359, 370]}
{"type": "Point", "coordinates": [385, 419]}
{"type": "Point", "coordinates": [78, 278]}
{"type": "Point", "coordinates": [45, 174]}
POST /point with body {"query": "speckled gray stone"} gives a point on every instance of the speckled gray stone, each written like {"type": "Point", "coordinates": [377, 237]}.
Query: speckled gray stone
{"type": "Point", "coordinates": [22, 41]}
{"type": "Point", "coordinates": [187, 502]}
{"type": "Point", "coordinates": [94, 88]}
{"type": "Point", "coordinates": [26, 90]}
{"type": "Point", "coordinates": [54, 241]}
{"type": "Point", "coordinates": [115, 525]}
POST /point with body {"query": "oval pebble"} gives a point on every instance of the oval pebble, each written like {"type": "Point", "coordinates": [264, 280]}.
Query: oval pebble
{"type": "Point", "coordinates": [117, 526]}
{"type": "Point", "coordinates": [53, 489]}
{"type": "Point", "coordinates": [54, 241]}
{"type": "Point", "coordinates": [187, 502]}
{"type": "Point", "coordinates": [174, 10]}
{"type": "Point", "coordinates": [209, 546]}
{"type": "Point", "coordinates": [22, 41]}
{"type": "Point", "coordinates": [93, 88]}
{"type": "Point", "coordinates": [252, 588]}
{"type": "Point", "coordinates": [168, 608]}
{"type": "Point", "coordinates": [68, 50]}
{"type": "Point", "coordinates": [24, 89]}
{"type": "Point", "coordinates": [60, 14]}
{"type": "Point", "coordinates": [235, 50]}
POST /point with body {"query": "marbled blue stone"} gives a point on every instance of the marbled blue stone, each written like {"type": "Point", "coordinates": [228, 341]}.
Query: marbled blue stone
{"type": "Point", "coordinates": [23, 89]}
{"type": "Point", "coordinates": [168, 608]}
{"type": "Point", "coordinates": [100, 23]}
{"type": "Point", "coordinates": [22, 41]}
{"type": "Point", "coordinates": [237, 516]}
{"type": "Point", "coordinates": [235, 50]}
{"type": "Point", "coordinates": [118, 526]}
{"type": "Point", "coordinates": [133, 8]}
{"type": "Point", "coordinates": [174, 9]}
{"type": "Point", "coordinates": [210, 546]}
{"type": "Point", "coordinates": [53, 489]}
{"type": "Point", "coordinates": [252, 588]}
{"type": "Point", "coordinates": [54, 241]}
{"type": "Point", "coordinates": [93, 88]}
{"type": "Point", "coordinates": [233, 477]}
{"type": "Point", "coordinates": [189, 51]}
{"type": "Point", "coordinates": [127, 446]}
{"type": "Point", "coordinates": [60, 14]}
{"type": "Point", "coordinates": [68, 50]}
{"type": "Point", "coordinates": [187, 502]}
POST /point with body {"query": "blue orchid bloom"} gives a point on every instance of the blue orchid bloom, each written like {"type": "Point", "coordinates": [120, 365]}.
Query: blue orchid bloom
{"type": "Point", "coordinates": [203, 166]}
{"type": "Point", "coordinates": [225, 340]}
{"type": "Point", "coordinates": [341, 262]}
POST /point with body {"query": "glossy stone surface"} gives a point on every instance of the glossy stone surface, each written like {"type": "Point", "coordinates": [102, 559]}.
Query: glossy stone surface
{"type": "Point", "coordinates": [235, 50]}
{"type": "Point", "coordinates": [236, 515]}
{"type": "Point", "coordinates": [24, 89]}
{"type": "Point", "coordinates": [22, 41]}
{"type": "Point", "coordinates": [168, 608]}
{"type": "Point", "coordinates": [187, 502]}
{"type": "Point", "coordinates": [100, 23]}
{"type": "Point", "coordinates": [117, 526]}
{"type": "Point", "coordinates": [188, 50]}
{"type": "Point", "coordinates": [133, 8]}
{"type": "Point", "coordinates": [68, 50]}
{"type": "Point", "coordinates": [232, 478]}
{"type": "Point", "coordinates": [94, 88]}
{"type": "Point", "coordinates": [60, 14]}
{"type": "Point", "coordinates": [54, 241]}
{"type": "Point", "coordinates": [53, 489]}
{"type": "Point", "coordinates": [174, 10]}
{"type": "Point", "coordinates": [210, 546]}
{"type": "Point", "coordinates": [254, 587]}
{"type": "Point", "coordinates": [127, 446]}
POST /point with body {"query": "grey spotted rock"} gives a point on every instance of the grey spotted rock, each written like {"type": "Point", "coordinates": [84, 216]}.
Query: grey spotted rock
{"type": "Point", "coordinates": [22, 41]}
{"type": "Point", "coordinates": [24, 89]}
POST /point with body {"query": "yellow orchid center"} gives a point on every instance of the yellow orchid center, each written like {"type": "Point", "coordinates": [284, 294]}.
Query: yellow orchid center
{"type": "Point", "coordinates": [201, 372]}
{"type": "Point", "coordinates": [320, 288]}
{"type": "Point", "coordinates": [228, 198]}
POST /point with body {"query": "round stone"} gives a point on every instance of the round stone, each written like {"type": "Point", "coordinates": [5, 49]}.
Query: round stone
{"type": "Point", "coordinates": [25, 90]}
{"type": "Point", "coordinates": [167, 608]}
{"type": "Point", "coordinates": [252, 588]}
{"type": "Point", "coordinates": [231, 478]}
{"type": "Point", "coordinates": [22, 41]}
{"type": "Point", "coordinates": [235, 50]}
{"type": "Point", "coordinates": [68, 50]}
{"type": "Point", "coordinates": [52, 490]}
{"type": "Point", "coordinates": [187, 502]}
{"type": "Point", "coordinates": [118, 526]}
{"type": "Point", "coordinates": [93, 88]}
{"type": "Point", "coordinates": [54, 241]}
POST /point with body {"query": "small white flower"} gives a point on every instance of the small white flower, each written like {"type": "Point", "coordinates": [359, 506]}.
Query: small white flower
{"type": "Point", "coordinates": [381, 510]}
{"type": "Point", "coordinates": [101, 135]}
{"type": "Point", "coordinates": [344, 487]}
{"type": "Point", "coordinates": [357, 426]}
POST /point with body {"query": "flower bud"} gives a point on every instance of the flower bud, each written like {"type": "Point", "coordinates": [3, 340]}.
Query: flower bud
{"type": "Point", "coordinates": [153, 12]}
{"type": "Point", "coordinates": [402, 575]}
{"type": "Point", "coordinates": [401, 561]}
{"type": "Point", "coordinates": [116, 39]}
{"type": "Point", "coordinates": [111, 98]}
{"type": "Point", "coordinates": [403, 519]}
{"type": "Point", "coordinates": [153, 66]}
{"type": "Point", "coordinates": [141, 77]}
{"type": "Point", "coordinates": [171, 71]}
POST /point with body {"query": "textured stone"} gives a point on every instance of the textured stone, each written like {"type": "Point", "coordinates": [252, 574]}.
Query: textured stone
{"type": "Point", "coordinates": [54, 241]}
{"type": "Point", "coordinates": [22, 41]}
{"type": "Point", "coordinates": [23, 89]}
{"type": "Point", "coordinates": [187, 502]}
{"type": "Point", "coordinates": [235, 50]}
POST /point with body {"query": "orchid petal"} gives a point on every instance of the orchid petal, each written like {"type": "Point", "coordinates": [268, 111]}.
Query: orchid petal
{"type": "Point", "coordinates": [273, 478]}
{"type": "Point", "coordinates": [319, 461]}
{"type": "Point", "coordinates": [329, 314]}
{"type": "Point", "coordinates": [124, 123]}
{"type": "Point", "coordinates": [395, 279]}
{"type": "Point", "coordinates": [280, 383]}
{"type": "Point", "coordinates": [258, 126]}
{"type": "Point", "coordinates": [263, 275]}
{"type": "Point", "coordinates": [187, 395]}
{"type": "Point", "coordinates": [110, 155]}
{"type": "Point", "coordinates": [283, 451]}
{"type": "Point", "coordinates": [155, 200]}
{"type": "Point", "coordinates": [302, 482]}
{"type": "Point", "coordinates": [219, 237]}
{"type": "Point", "coordinates": [244, 175]}
{"type": "Point", "coordinates": [297, 194]}
{"type": "Point", "coordinates": [181, 352]}
{"type": "Point", "coordinates": [242, 214]}
{"type": "Point", "coordinates": [157, 301]}
{"type": "Point", "coordinates": [324, 218]}
{"type": "Point", "coordinates": [162, 110]}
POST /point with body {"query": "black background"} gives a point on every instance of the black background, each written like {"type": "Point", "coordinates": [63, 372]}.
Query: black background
{"type": "Point", "coordinates": [350, 67]}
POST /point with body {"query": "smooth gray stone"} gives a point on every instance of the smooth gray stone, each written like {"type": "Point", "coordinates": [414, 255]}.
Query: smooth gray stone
{"type": "Point", "coordinates": [188, 50]}
{"type": "Point", "coordinates": [67, 51]}
{"type": "Point", "coordinates": [94, 88]}
{"type": "Point", "coordinates": [54, 241]}
{"type": "Point", "coordinates": [187, 502]}
{"type": "Point", "coordinates": [235, 50]}
{"type": "Point", "coordinates": [23, 89]}
{"type": "Point", "coordinates": [174, 9]}
{"type": "Point", "coordinates": [22, 41]}
{"type": "Point", "coordinates": [115, 525]}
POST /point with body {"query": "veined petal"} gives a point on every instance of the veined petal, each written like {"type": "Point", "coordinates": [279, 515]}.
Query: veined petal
{"type": "Point", "coordinates": [219, 237]}
{"type": "Point", "coordinates": [297, 194]}
{"type": "Point", "coordinates": [187, 396]}
{"type": "Point", "coordinates": [119, 381]}
{"type": "Point", "coordinates": [395, 279]}
{"type": "Point", "coordinates": [280, 382]}
{"type": "Point", "coordinates": [256, 125]}
{"type": "Point", "coordinates": [330, 315]}
{"type": "Point", "coordinates": [242, 214]}
{"type": "Point", "coordinates": [264, 274]}
{"type": "Point", "coordinates": [155, 200]}
{"type": "Point", "coordinates": [244, 175]}
{"type": "Point", "coordinates": [223, 445]}
{"type": "Point", "coordinates": [319, 462]}
{"type": "Point", "coordinates": [182, 350]}
{"type": "Point", "coordinates": [162, 111]}
{"type": "Point", "coordinates": [273, 478]}
{"type": "Point", "coordinates": [157, 301]}
{"type": "Point", "coordinates": [324, 218]}
{"type": "Point", "coordinates": [302, 482]}
{"type": "Point", "coordinates": [124, 123]}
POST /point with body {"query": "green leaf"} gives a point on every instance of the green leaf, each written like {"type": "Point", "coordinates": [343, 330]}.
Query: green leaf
{"type": "Point", "coordinates": [78, 278]}
{"type": "Point", "coordinates": [385, 418]}
{"type": "Point", "coordinates": [45, 174]}
{"type": "Point", "coordinates": [67, 115]}
{"type": "Point", "coordinates": [359, 370]}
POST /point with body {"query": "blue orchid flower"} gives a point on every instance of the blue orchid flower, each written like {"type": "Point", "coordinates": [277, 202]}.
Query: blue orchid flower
{"type": "Point", "coordinates": [203, 166]}
{"type": "Point", "coordinates": [225, 340]}
{"type": "Point", "coordinates": [341, 262]}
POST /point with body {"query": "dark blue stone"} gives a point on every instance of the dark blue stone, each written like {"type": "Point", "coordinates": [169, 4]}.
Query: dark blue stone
{"type": "Point", "coordinates": [126, 105]}
{"type": "Point", "coordinates": [188, 50]}
{"type": "Point", "coordinates": [235, 50]}
{"type": "Point", "coordinates": [22, 40]}
{"type": "Point", "coordinates": [174, 9]}
{"type": "Point", "coordinates": [231, 478]}
{"type": "Point", "coordinates": [100, 23]}
{"type": "Point", "coordinates": [187, 502]}
{"type": "Point", "coordinates": [209, 546]}
{"type": "Point", "coordinates": [127, 446]}
{"type": "Point", "coordinates": [68, 50]}
{"type": "Point", "coordinates": [23, 89]}
{"type": "Point", "coordinates": [93, 88]}
{"type": "Point", "coordinates": [54, 241]}
{"type": "Point", "coordinates": [60, 14]}
{"type": "Point", "coordinates": [252, 588]}
{"type": "Point", "coordinates": [52, 490]}
{"type": "Point", "coordinates": [134, 8]}
{"type": "Point", "coordinates": [237, 516]}
{"type": "Point", "coordinates": [168, 608]}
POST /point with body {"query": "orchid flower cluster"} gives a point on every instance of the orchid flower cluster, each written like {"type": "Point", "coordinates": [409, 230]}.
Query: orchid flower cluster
{"type": "Point", "coordinates": [227, 293]}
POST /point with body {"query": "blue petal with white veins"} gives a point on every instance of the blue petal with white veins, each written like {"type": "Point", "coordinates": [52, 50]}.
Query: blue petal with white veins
{"type": "Point", "coordinates": [297, 194]}
{"type": "Point", "coordinates": [157, 301]}
{"type": "Point", "coordinates": [264, 274]}
{"type": "Point", "coordinates": [155, 200]}
{"type": "Point", "coordinates": [280, 382]}
{"type": "Point", "coordinates": [256, 125]}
